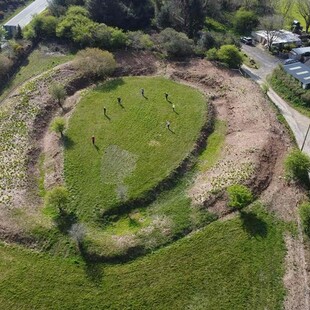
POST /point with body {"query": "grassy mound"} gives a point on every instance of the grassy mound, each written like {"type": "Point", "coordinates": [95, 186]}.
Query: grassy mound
{"type": "Point", "coordinates": [237, 264]}
{"type": "Point", "coordinates": [133, 149]}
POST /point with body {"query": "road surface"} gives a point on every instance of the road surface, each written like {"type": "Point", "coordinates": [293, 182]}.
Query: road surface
{"type": "Point", "coordinates": [25, 16]}
{"type": "Point", "coordinates": [298, 122]}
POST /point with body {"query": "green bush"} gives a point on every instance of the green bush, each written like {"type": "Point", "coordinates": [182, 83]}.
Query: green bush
{"type": "Point", "coordinates": [245, 21]}
{"type": "Point", "coordinates": [212, 54]}
{"type": "Point", "coordinates": [95, 62]}
{"type": "Point", "coordinates": [58, 125]}
{"type": "Point", "coordinates": [239, 196]}
{"type": "Point", "coordinates": [230, 55]}
{"type": "Point", "coordinates": [213, 25]}
{"type": "Point", "coordinates": [175, 44]}
{"type": "Point", "coordinates": [57, 199]}
{"type": "Point", "coordinates": [297, 166]}
{"type": "Point", "coordinates": [304, 213]}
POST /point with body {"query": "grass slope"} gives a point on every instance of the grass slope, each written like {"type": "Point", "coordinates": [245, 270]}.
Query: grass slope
{"type": "Point", "coordinates": [134, 150]}
{"type": "Point", "coordinates": [235, 264]}
{"type": "Point", "coordinates": [39, 61]}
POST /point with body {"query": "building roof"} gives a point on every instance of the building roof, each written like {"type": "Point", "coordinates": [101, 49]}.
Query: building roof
{"type": "Point", "coordinates": [301, 50]}
{"type": "Point", "coordinates": [281, 36]}
{"type": "Point", "coordinates": [25, 16]}
{"type": "Point", "coordinates": [299, 71]}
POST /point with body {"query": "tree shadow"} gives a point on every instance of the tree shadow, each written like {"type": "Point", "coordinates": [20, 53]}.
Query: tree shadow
{"type": "Point", "coordinates": [65, 220]}
{"type": "Point", "coordinates": [67, 142]}
{"type": "Point", "coordinates": [253, 225]}
{"type": "Point", "coordinates": [93, 269]}
{"type": "Point", "coordinates": [110, 85]}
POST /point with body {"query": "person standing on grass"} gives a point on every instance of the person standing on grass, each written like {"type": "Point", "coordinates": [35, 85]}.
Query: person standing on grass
{"type": "Point", "coordinates": [166, 96]}
{"type": "Point", "coordinates": [173, 107]}
{"type": "Point", "coordinates": [119, 100]}
{"type": "Point", "coordinates": [142, 92]}
{"type": "Point", "coordinates": [93, 139]}
{"type": "Point", "coordinates": [104, 110]}
{"type": "Point", "coordinates": [168, 124]}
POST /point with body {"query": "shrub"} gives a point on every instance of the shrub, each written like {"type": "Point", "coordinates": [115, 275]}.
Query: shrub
{"type": "Point", "coordinates": [58, 125]}
{"type": "Point", "coordinates": [95, 62]}
{"type": "Point", "coordinates": [245, 21]}
{"type": "Point", "coordinates": [175, 44]}
{"type": "Point", "coordinates": [212, 54]}
{"type": "Point", "coordinates": [297, 166]}
{"type": "Point", "coordinates": [139, 40]}
{"type": "Point", "coordinates": [304, 213]}
{"type": "Point", "coordinates": [58, 92]}
{"type": "Point", "coordinates": [212, 24]}
{"type": "Point", "coordinates": [230, 55]}
{"type": "Point", "coordinates": [239, 196]}
{"type": "Point", "coordinates": [57, 199]}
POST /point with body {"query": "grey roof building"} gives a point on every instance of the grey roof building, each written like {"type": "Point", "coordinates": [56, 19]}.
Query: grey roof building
{"type": "Point", "coordinates": [300, 72]}
{"type": "Point", "coordinates": [25, 16]}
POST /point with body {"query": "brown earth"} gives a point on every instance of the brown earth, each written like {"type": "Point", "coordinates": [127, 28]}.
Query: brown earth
{"type": "Point", "coordinates": [253, 151]}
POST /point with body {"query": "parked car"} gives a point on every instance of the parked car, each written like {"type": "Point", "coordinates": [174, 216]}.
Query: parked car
{"type": "Point", "coordinates": [290, 61]}
{"type": "Point", "coordinates": [246, 40]}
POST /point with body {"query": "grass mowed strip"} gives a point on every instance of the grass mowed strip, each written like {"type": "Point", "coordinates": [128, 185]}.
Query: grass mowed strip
{"type": "Point", "coordinates": [134, 149]}
{"type": "Point", "coordinates": [237, 264]}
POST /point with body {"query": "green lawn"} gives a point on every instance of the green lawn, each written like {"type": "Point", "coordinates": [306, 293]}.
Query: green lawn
{"type": "Point", "coordinates": [237, 264]}
{"type": "Point", "coordinates": [39, 61]}
{"type": "Point", "coordinates": [134, 150]}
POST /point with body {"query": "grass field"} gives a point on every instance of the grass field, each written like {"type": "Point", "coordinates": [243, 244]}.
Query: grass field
{"type": "Point", "coordinates": [237, 264]}
{"type": "Point", "coordinates": [134, 150]}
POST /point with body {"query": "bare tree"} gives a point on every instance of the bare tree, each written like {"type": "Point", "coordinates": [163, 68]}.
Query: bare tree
{"type": "Point", "coordinates": [77, 233]}
{"type": "Point", "coordinates": [271, 24]}
{"type": "Point", "coordinates": [303, 7]}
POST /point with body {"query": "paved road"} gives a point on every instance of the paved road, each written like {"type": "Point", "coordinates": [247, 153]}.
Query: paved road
{"type": "Point", "coordinates": [298, 122]}
{"type": "Point", "coordinates": [25, 16]}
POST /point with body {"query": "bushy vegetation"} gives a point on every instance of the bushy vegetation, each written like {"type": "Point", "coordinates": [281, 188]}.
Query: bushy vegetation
{"type": "Point", "coordinates": [94, 62]}
{"type": "Point", "coordinates": [304, 213]}
{"type": "Point", "coordinates": [58, 125]}
{"type": "Point", "coordinates": [57, 199]}
{"type": "Point", "coordinates": [297, 166]}
{"type": "Point", "coordinates": [227, 54]}
{"type": "Point", "coordinates": [239, 196]}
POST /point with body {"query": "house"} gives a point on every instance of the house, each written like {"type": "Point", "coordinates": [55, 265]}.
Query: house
{"type": "Point", "coordinates": [301, 53]}
{"type": "Point", "coordinates": [24, 17]}
{"type": "Point", "coordinates": [280, 37]}
{"type": "Point", "coordinates": [300, 72]}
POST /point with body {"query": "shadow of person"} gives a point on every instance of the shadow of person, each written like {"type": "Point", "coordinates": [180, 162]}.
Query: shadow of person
{"type": "Point", "coordinates": [253, 225]}
{"type": "Point", "coordinates": [145, 97]}
{"type": "Point", "coordinates": [171, 130]}
{"type": "Point", "coordinates": [175, 112]}
{"type": "Point", "coordinates": [96, 147]}
{"type": "Point", "coordinates": [107, 116]}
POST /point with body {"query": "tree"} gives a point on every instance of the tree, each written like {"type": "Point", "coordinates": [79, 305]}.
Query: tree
{"type": "Point", "coordinates": [58, 125]}
{"type": "Point", "coordinates": [95, 62]}
{"type": "Point", "coordinates": [175, 44]}
{"type": "Point", "coordinates": [271, 24]}
{"type": "Point", "coordinates": [5, 65]}
{"type": "Point", "coordinates": [230, 55]}
{"type": "Point", "coordinates": [297, 166]}
{"type": "Point", "coordinates": [125, 14]}
{"type": "Point", "coordinates": [77, 233]}
{"type": "Point", "coordinates": [303, 7]}
{"type": "Point", "coordinates": [183, 15]}
{"type": "Point", "coordinates": [57, 199]}
{"type": "Point", "coordinates": [239, 196]}
{"type": "Point", "coordinates": [245, 21]}
{"type": "Point", "coordinates": [58, 93]}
